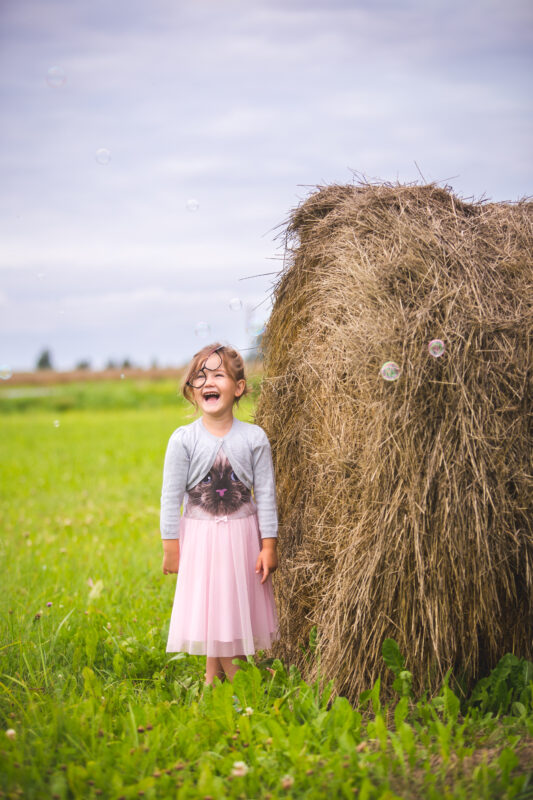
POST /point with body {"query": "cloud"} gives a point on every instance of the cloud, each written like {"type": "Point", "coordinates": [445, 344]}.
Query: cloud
{"type": "Point", "coordinates": [236, 104]}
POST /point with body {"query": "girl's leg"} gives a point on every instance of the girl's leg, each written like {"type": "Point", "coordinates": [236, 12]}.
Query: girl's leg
{"type": "Point", "coordinates": [229, 668]}
{"type": "Point", "coordinates": [213, 668]}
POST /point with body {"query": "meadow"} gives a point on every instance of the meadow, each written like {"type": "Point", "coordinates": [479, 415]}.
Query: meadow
{"type": "Point", "coordinates": [93, 706]}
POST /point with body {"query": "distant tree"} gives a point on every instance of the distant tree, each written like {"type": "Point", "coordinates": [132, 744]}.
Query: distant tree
{"type": "Point", "coordinates": [154, 364]}
{"type": "Point", "coordinates": [127, 363]}
{"type": "Point", "coordinates": [111, 364]}
{"type": "Point", "coordinates": [83, 364]}
{"type": "Point", "coordinates": [44, 361]}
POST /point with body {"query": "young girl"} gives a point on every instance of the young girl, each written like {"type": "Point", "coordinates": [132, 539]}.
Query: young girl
{"type": "Point", "coordinates": [224, 546]}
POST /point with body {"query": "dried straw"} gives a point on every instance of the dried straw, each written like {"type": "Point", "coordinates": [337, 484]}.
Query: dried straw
{"type": "Point", "coordinates": [404, 506]}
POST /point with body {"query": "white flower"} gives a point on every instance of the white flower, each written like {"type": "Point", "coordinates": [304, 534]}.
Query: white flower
{"type": "Point", "coordinates": [248, 711]}
{"type": "Point", "coordinates": [239, 769]}
{"type": "Point", "coordinates": [11, 734]}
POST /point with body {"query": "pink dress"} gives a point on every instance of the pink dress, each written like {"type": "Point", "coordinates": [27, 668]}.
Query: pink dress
{"type": "Point", "coordinates": [220, 606]}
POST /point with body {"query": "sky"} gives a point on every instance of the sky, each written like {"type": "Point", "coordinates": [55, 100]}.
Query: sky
{"type": "Point", "coordinates": [152, 150]}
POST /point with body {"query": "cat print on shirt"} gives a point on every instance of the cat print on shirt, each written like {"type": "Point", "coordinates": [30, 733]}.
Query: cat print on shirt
{"type": "Point", "coordinates": [220, 493]}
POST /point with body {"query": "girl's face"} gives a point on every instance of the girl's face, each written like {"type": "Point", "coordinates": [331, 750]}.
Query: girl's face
{"type": "Point", "coordinates": [216, 397]}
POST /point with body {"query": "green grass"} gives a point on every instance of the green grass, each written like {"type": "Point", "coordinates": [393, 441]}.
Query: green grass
{"type": "Point", "coordinates": [99, 709]}
{"type": "Point", "coordinates": [129, 393]}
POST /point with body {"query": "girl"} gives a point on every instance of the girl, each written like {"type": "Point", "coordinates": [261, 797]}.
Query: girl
{"type": "Point", "coordinates": [224, 546]}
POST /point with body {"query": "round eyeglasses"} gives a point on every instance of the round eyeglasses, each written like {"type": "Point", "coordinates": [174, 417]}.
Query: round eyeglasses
{"type": "Point", "coordinates": [211, 364]}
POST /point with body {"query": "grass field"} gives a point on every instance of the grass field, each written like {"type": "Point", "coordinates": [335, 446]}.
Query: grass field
{"type": "Point", "coordinates": [92, 706]}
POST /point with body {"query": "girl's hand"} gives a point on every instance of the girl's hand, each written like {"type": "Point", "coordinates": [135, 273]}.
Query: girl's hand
{"type": "Point", "coordinates": [171, 556]}
{"type": "Point", "coordinates": [267, 560]}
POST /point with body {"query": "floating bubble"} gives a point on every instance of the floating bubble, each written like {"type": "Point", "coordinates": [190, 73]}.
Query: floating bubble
{"type": "Point", "coordinates": [202, 329]}
{"type": "Point", "coordinates": [256, 329]}
{"type": "Point", "coordinates": [103, 156]}
{"type": "Point", "coordinates": [56, 423]}
{"type": "Point", "coordinates": [436, 348]}
{"type": "Point", "coordinates": [390, 371]}
{"type": "Point", "coordinates": [235, 304]}
{"type": "Point", "coordinates": [192, 205]}
{"type": "Point", "coordinates": [56, 77]}
{"type": "Point", "coordinates": [41, 275]}
{"type": "Point", "coordinates": [5, 372]}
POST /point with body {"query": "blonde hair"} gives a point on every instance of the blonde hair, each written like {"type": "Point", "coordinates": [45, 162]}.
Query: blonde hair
{"type": "Point", "coordinates": [233, 363]}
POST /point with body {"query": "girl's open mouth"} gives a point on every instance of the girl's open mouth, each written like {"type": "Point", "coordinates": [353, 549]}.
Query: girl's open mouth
{"type": "Point", "coordinates": [211, 397]}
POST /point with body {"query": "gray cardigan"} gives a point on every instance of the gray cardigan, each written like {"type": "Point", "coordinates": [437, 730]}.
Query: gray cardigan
{"type": "Point", "coordinates": [191, 453]}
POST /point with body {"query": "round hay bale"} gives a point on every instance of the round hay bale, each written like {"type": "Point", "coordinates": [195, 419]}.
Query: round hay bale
{"type": "Point", "coordinates": [404, 505]}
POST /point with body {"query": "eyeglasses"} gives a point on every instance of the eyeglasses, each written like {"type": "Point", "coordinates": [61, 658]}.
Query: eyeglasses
{"type": "Point", "coordinates": [214, 360]}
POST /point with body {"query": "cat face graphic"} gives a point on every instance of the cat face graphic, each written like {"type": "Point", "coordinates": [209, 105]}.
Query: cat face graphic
{"type": "Point", "coordinates": [220, 492]}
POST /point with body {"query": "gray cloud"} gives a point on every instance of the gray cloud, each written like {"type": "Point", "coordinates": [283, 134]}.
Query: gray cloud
{"type": "Point", "coordinates": [241, 106]}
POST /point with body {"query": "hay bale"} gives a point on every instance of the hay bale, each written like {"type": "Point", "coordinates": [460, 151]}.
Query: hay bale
{"type": "Point", "coordinates": [405, 505]}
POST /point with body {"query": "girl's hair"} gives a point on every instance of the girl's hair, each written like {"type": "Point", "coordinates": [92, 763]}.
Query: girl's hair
{"type": "Point", "coordinates": [231, 359]}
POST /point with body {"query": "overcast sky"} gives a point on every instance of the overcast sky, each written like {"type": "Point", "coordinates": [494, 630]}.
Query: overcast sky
{"type": "Point", "coordinates": [150, 148]}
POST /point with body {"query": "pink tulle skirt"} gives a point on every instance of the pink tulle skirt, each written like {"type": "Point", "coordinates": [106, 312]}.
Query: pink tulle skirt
{"type": "Point", "coordinates": [220, 606]}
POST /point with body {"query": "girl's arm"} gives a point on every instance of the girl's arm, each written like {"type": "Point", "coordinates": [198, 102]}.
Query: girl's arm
{"type": "Point", "coordinates": [175, 471]}
{"type": "Point", "coordinates": [265, 488]}
{"type": "Point", "coordinates": [265, 498]}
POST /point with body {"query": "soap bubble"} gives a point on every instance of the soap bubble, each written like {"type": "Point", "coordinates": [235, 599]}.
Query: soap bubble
{"type": "Point", "coordinates": [390, 371]}
{"type": "Point", "coordinates": [56, 77]}
{"type": "Point", "coordinates": [103, 156]}
{"type": "Point", "coordinates": [41, 275]}
{"type": "Point", "coordinates": [436, 348]}
{"type": "Point", "coordinates": [5, 372]}
{"type": "Point", "coordinates": [56, 423]}
{"type": "Point", "coordinates": [235, 304]}
{"type": "Point", "coordinates": [202, 329]}
{"type": "Point", "coordinates": [192, 204]}
{"type": "Point", "coordinates": [256, 329]}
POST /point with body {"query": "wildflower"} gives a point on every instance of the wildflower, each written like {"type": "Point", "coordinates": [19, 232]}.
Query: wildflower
{"type": "Point", "coordinates": [108, 626]}
{"type": "Point", "coordinates": [11, 733]}
{"type": "Point", "coordinates": [90, 583]}
{"type": "Point", "coordinates": [49, 603]}
{"type": "Point", "coordinates": [248, 711]}
{"type": "Point", "coordinates": [239, 769]}
{"type": "Point", "coordinates": [60, 676]}
{"type": "Point", "coordinates": [38, 615]}
{"type": "Point", "coordinates": [287, 781]}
